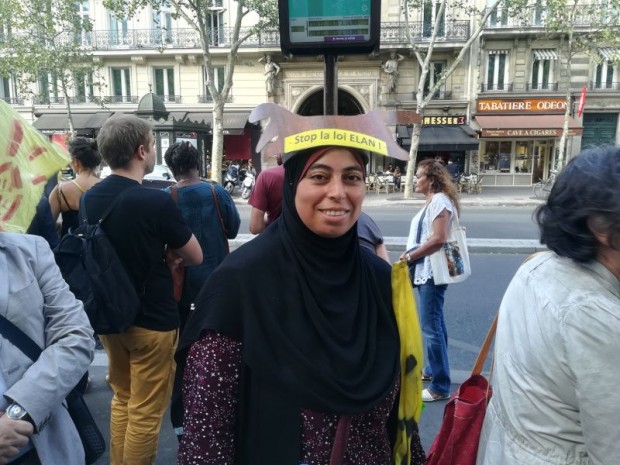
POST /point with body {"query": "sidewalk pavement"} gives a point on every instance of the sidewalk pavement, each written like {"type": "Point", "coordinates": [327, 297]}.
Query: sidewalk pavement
{"type": "Point", "coordinates": [509, 196]}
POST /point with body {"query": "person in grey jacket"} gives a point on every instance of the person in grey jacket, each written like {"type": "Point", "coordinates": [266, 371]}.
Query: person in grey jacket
{"type": "Point", "coordinates": [35, 426]}
{"type": "Point", "coordinates": [556, 370]}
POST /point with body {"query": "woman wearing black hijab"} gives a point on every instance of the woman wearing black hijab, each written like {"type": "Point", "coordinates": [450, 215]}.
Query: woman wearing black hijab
{"type": "Point", "coordinates": [298, 342]}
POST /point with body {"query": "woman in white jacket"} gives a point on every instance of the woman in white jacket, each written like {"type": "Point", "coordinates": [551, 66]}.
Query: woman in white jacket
{"type": "Point", "coordinates": [558, 336]}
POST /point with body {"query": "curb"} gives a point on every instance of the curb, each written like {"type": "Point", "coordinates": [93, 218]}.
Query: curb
{"type": "Point", "coordinates": [474, 245]}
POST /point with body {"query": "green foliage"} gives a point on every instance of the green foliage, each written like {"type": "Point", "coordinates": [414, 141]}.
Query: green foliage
{"type": "Point", "coordinates": [196, 14]}
{"type": "Point", "coordinates": [44, 39]}
{"type": "Point", "coordinates": [586, 25]}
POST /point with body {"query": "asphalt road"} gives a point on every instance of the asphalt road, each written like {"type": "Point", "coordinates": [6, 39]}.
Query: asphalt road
{"type": "Point", "coordinates": [481, 222]}
{"type": "Point", "coordinates": [469, 310]}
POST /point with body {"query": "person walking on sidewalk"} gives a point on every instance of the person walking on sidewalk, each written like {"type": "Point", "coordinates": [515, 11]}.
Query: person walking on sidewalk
{"type": "Point", "coordinates": [558, 333]}
{"type": "Point", "coordinates": [427, 234]}
{"type": "Point", "coordinates": [143, 223]}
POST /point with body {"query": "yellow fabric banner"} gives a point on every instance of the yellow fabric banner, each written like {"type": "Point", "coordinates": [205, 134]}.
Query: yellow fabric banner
{"type": "Point", "coordinates": [27, 160]}
{"type": "Point", "coordinates": [411, 361]}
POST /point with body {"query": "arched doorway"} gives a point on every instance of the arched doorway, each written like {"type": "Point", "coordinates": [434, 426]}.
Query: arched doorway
{"type": "Point", "coordinates": [347, 104]}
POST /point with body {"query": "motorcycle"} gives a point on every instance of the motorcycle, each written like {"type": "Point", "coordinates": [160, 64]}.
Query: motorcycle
{"type": "Point", "coordinates": [231, 178]}
{"type": "Point", "coordinates": [247, 185]}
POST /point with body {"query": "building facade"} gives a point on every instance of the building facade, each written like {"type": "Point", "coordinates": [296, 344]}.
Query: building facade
{"type": "Point", "coordinates": [499, 114]}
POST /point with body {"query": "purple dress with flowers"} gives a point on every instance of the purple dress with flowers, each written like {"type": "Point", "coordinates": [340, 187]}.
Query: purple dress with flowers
{"type": "Point", "coordinates": [211, 393]}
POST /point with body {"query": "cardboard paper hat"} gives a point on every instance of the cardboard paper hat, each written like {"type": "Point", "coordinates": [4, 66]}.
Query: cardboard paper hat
{"type": "Point", "coordinates": [288, 133]}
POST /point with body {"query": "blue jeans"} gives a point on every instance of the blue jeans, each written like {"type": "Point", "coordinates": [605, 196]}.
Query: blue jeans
{"type": "Point", "coordinates": [430, 307]}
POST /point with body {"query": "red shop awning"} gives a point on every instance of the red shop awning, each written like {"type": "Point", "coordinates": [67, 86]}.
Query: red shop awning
{"type": "Point", "coordinates": [542, 126]}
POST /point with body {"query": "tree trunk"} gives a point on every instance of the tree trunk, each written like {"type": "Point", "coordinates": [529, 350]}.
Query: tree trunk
{"type": "Point", "coordinates": [413, 158]}
{"type": "Point", "coordinates": [217, 150]}
{"type": "Point", "coordinates": [68, 107]}
{"type": "Point", "coordinates": [559, 163]}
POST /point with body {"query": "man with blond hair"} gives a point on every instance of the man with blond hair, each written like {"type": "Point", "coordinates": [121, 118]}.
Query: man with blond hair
{"type": "Point", "coordinates": [141, 226]}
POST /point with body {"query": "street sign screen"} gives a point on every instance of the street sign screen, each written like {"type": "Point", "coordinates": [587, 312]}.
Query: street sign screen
{"type": "Point", "coordinates": [315, 26]}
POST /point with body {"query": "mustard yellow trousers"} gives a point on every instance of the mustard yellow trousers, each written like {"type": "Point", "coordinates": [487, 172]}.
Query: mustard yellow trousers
{"type": "Point", "coordinates": [141, 369]}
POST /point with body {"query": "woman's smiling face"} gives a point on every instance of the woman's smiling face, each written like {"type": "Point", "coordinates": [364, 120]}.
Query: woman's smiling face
{"type": "Point", "coordinates": [329, 197]}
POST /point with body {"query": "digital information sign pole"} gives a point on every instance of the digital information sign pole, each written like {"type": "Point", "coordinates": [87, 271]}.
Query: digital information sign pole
{"type": "Point", "coordinates": [314, 27]}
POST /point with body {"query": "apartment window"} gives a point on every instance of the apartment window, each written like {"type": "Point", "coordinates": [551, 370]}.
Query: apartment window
{"type": "Point", "coordinates": [605, 69]}
{"type": "Point", "coordinates": [431, 12]}
{"type": "Point", "coordinates": [82, 10]}
{"type": "Point", "coordinates": [542, 69]}
{"type": "Point", "coordinates": [8, 92]}
{"type": "Point", "coordinates": [84, 86]}
{"type": "Point", "coordinates": [121, 85]}
{"type": "Point", "coordinates": [218, 76]}
{"type": "Point", "coordinates": [5, 28]}
{"type": "Point", "coordinates": [118, 30]}
{"type": "Point", "coordinates": [48, 87]}
{"type": "Point", "coordinates": [499, 16]}
{"type": "Point", "coordinates": [539, 13]}
{"type": "Point", "coordinates": [497, 70]}
{"type": "Point", "coordinates": [164, 83]}
{"type": "Point", "coordinates": [162, 23]}
{"type": "Point", "coordinates": [604, 76]}
{"type": "Point", "coordinates": [436, 69]}
{"type": "Point", "coordinates": [215, 30]}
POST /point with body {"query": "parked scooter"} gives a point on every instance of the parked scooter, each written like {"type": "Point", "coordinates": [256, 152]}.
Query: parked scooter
{"type": "Point", "coordinates": [248, 184]}
{"type": "Point", "coordinates": [231, 178]}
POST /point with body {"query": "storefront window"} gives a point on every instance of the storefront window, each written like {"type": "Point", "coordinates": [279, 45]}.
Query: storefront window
{"type": "Point", "coordinates": [496, 157]}
{"type": "Point", "coordinates": [523, 157]}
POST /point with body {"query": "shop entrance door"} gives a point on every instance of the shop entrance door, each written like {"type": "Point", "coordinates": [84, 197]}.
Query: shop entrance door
{"type": "Point", "coordinates": [542, 159]}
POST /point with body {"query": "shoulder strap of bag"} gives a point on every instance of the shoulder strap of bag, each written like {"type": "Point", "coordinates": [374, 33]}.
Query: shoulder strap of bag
{"type": "Point", "coordinates": [108, 210]}
{"type": "Point", "coordinates": [484, 350]}
{"type": "Point", "coordinates": [174, 194]}
{"type": "Point", "coordinates": [419, 234]}
{"type": "Point", "coordinates": [217, 206]}
{"type": "Point", "coordinates": [19, 339]}
{"type": "Point", "coordinates": [340, 440]}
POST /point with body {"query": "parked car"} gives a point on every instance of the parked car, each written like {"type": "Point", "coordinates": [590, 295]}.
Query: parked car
{"type": "Point", "coordinates": [160, 178]}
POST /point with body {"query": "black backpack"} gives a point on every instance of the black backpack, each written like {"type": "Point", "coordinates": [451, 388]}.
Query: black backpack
{"type": "Point", "coordinates": [91, 267]}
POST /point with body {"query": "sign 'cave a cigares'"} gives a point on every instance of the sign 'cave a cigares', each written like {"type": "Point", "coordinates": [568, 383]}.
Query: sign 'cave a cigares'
{"type": "Point", "coordinates": [314, 27]}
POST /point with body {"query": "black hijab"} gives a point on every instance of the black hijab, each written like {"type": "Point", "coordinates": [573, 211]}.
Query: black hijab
{"type": "Point", "coordinates": [316, 322]}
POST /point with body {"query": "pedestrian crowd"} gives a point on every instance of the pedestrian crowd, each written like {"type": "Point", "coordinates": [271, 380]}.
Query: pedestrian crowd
{"type": "Point", "coordinates": [293, 349]}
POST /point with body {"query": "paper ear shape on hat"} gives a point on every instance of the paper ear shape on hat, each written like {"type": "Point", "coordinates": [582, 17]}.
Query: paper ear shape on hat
{"type": "Point", "coordinates": [288, 132]}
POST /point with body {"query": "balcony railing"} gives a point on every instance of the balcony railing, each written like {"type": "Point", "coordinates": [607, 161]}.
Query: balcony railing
{"type": "Point", "coordinates": [396, 32]}
{"type": "Point", "coordinates": [208, 98]}
{"type": "Point", "coordinates": [542, 86]}
{"type": "Point", "coordinates": [84, 99]}
{"type": "Point", "coordinates": [604, 86]}
{"type": "Point", "coordinates": [120, 99]}
{"type": "Point", "coordinates": [439, 95]}
{"type": "Point", "coordinates": [13, 100]}
{"type": "Point", "coordinates": [496, 87]}
{"type": "Point", "coordinates": [170, 98]}
{"type": "Point", "coordinates": [175, 38]}
{"type": "Point", "coordinates": [536, 17]}
{"type": "Point", "coordinates": [48, 100]}
{"type": "Point", "coordinates": [391, 33]}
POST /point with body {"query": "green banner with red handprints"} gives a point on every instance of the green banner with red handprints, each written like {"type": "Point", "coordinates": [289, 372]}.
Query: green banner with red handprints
{"type": "Point", "coordinates": [27, 160]}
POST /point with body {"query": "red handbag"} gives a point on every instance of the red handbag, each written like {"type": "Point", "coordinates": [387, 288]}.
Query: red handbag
{"type": "Point", "coordinates": [457, 440]}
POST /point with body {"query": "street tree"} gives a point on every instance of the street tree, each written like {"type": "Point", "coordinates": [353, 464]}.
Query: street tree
{"type": "Point", "coordinates": [45, 43]}
{"type": "Point", "coordinates": [423, 52]}
{"type": "Point", "coordinates": [583, 28]}
{"type": "Point", "coordinates": [251, 18]}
